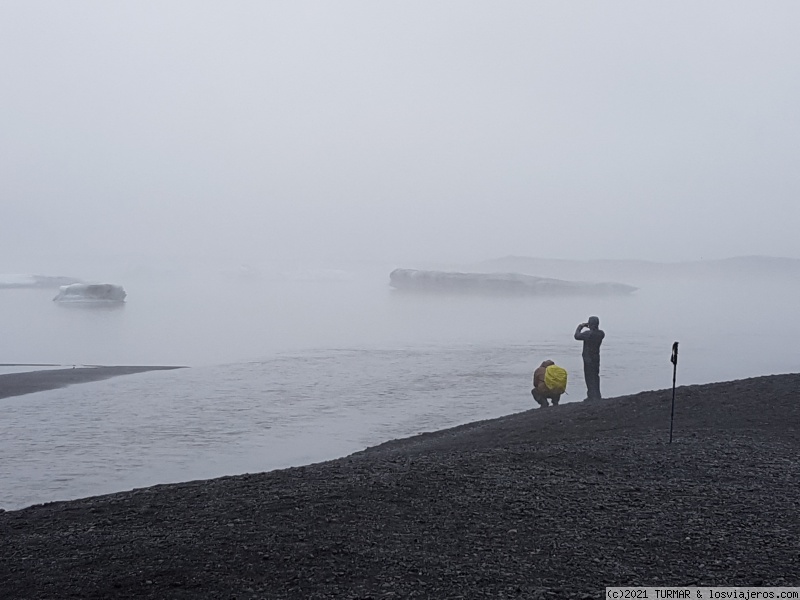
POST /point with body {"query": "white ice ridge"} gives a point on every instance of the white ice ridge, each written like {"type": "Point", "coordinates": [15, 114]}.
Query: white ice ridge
{"type": "Point", "coordinates": [502, 283]}
{"type": "Point", "coordinates": [91, 292]}
{"type": "Point", "coordinates": [17, 280]}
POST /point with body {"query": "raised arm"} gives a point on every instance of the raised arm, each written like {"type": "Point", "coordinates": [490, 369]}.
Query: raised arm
{"type": "Point", "coordinates": [581, 335]}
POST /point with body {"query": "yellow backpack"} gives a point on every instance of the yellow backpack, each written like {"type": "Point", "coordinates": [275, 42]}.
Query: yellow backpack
{"type": "Point", "coordinates": [555, 378]}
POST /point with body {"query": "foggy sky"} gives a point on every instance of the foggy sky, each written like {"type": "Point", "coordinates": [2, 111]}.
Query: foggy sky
{"type": "Point", "coordinates": [406, 130]}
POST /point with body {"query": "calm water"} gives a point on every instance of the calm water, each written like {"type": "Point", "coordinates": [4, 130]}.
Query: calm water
{"type": "Point", "coordinates": [287, 372]}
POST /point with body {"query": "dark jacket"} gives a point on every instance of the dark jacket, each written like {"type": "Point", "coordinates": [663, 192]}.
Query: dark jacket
{"type": "Point", "coordinates": [591, 338]}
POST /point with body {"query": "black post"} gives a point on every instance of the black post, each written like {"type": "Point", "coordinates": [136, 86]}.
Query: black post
{"type": "Point", "coordinates": [674, 361]}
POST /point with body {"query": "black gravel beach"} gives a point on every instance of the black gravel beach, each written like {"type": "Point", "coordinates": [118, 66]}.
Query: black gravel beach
{"type": "Point", "coordinates": [549, 503]}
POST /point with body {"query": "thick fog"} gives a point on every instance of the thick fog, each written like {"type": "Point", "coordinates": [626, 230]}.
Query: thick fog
{"type": "Point", "coordinates": [252, 171]}
{"type": "Point", "coordinates": [398, 131]}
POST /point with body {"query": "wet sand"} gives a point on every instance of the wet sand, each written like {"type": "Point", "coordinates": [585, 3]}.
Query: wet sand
{"type": "Point", "coordinates": [549, 503]}
{"type": "Point", "coordinates": [18, 384]}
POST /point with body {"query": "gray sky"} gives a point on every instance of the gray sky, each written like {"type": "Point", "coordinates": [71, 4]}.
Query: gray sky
{"type": "Point", "coordinates": [664, 130]}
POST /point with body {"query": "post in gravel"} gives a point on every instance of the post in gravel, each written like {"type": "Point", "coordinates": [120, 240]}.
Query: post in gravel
{"type": "Point", "coordinates": [674, 361]}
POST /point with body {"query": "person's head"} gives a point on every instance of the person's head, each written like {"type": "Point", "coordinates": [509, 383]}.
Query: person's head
{"type": "Point", "coordinates": [547, 363]}
{"type": "Point", "coordinates": [593, 322]}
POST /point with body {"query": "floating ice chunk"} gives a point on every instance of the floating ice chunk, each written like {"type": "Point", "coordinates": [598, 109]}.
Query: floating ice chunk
{"type": "Point", "coordinates": [102, 293]}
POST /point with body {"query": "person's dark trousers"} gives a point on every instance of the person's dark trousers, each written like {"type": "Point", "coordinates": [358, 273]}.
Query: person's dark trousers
{"type": "Point", "coordinates": [540, 399]}
{"type": "Point", "coordinates": [591, 373]}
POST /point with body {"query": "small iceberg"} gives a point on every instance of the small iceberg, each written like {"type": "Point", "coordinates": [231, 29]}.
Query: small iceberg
{"type": "Point", "coordinates": [91, 293]}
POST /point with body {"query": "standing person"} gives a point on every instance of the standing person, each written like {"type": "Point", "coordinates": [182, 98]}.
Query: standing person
{"type": "Point", "coordinates": [592, 337]}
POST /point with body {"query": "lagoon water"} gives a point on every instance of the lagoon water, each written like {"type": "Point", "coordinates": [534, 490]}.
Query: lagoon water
{"type": "Point", "coordinates": [288, 370]}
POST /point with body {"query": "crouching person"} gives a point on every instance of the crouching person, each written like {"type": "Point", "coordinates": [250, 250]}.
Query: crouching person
{"type": "Point", "coordinates": [549, 382]}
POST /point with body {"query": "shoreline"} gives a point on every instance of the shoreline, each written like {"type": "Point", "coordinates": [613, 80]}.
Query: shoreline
{"type": "Point", "coordinates": [28, 382]}
{"type": "Point", "coordinates": [547, 503]}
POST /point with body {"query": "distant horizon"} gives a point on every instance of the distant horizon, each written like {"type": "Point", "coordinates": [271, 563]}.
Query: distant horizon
{"type": "Point", "coordinates": [145, 261]}
{"type": "Point", "coordinates": [643, 260]}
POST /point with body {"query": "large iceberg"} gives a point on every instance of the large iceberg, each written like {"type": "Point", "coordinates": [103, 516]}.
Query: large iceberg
{"type": "Point", "coordinates": [499, 283]}
{"type": "Point", "coordinates": [95, 293]}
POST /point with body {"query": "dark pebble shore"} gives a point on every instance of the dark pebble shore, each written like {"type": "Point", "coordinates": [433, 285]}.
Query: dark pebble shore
{"type": "Point", "coordinates": [549, 503]}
